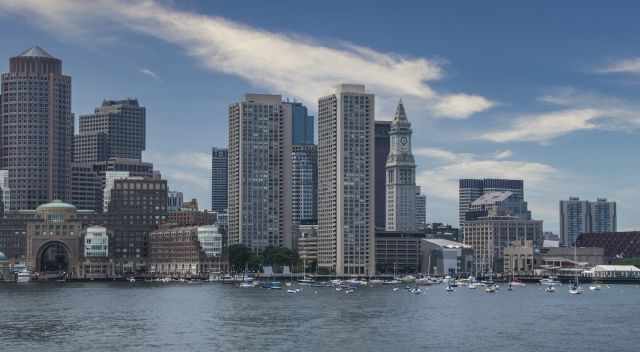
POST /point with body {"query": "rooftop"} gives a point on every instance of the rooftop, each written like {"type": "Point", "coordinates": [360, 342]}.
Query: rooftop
{"type": "Point", "coordinates": [492, 198]}
{"type": "Point", "coordinates": [36, 51]}
{"type": "Point", "coordinates": [56, 204]}
{"type": "Point", "coordinates": [446, 243]}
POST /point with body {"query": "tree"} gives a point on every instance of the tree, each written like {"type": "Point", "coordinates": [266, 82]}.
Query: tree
{"type": "Point", "coordinates": [239, 256]}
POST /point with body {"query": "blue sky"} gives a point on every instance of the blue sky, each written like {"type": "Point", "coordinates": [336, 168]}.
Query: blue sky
{"type": "Point", "coordinates": [542, 92]}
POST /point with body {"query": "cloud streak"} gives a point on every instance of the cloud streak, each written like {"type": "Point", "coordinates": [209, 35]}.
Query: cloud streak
{"type": "Point", "coordinates": [297, 66]}
{"type": "Point", "coordinates": [148, 72]}
{"type": "Point", "coordinates": [631, 65]}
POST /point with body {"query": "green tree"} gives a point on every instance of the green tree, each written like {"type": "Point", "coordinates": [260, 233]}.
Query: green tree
{"type": "Point", "coordinates": [239, 256]}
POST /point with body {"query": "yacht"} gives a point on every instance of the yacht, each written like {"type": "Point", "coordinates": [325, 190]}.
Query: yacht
{"type": "Point", "coordinates": [490, 289]}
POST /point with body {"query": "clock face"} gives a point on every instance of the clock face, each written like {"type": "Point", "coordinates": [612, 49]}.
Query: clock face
{"type": "Point", "coordinates": [404, 140]}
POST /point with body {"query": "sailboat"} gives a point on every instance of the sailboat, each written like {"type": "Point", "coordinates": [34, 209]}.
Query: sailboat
{"type": "Point", "coordinates": [575, 289]}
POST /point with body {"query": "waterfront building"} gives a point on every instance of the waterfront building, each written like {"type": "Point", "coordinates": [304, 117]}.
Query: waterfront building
{"type": "Point", "coordinates": [421, 210]}
{"type": "Point", "coordinates": [304, 183]}
{"type": "Point", "coordinates": [397, 252]}
{"type": "Point", "coordinates": [617, 245]}
{"type": "Point", "coordinates": [5, 190]}
{"type": "Point", "coordinates": [184, 251]}
{"type": "Point", "coordinates": [219, 179]}
{"type": "Point", "coordinates": [259, 201]}
{"type": "Point", "coordinates": [441, 257]}
{"type": "Point", "coordinates": [37, 129]}
{"type": "Point", "coordinates": [13, 237]}
{"type": "Point", "coordinates": [96, 263]}
{"type": "Point", "coordinates": [614, 273]}
{"type": "Point", "coordinates": [346, 205]}
{"type": "Point", "coordinates": [137, 207]}
{"type": "Point", "coordinates": [307, 243]}
{"type": "Point", "coordinates": [471, 189]}
{"type": "Point", "coordinates": [582, 216]}
{"type": "Point", "coordinates": [519, 259]}
{"type": "Point", "coordinates": [115, 130]}
{"type": "Point", "coordinates": [174, 201]}
{"type": "Point", "coordinates": [590, 255]}
{"type": "Point", "coordinates": [401, 175]}
{"type": "Point", "coordinates": [210, 240]}
{"type": "Point", "coordinates": [381, 147]}
{"type": "Point", "coordinates": [54, 241]}
{"type": "Point", "coordinates": [490, 235]}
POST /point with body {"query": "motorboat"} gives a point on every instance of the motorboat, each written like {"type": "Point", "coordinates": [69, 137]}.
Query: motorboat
{"type": "Point", "coordinates": [132, 279]}
{"type": "Point", "coordinates": [227, 279]}
{"type": "Point", "coordinates": [490, 289]}
{"type": "Point", "coordinates": [594, 287]}
{"type": "Point", "coordinates": [415, 291]}
{"type": "Point", "coordinates": [246, 285]}
{"type": "Point", "coordinates": [349, 291]}
{"type": "Point", "coordinates": [516, 283]}
{"type": "Point", "coordinates": [376, 282]}
{"type": "Point", "coordinates": [424, 281]}
{"type": "Point", "coordinates": [297, 290]}
{"type": "Point", "coordinates": [550, 289]}
{"type": "Point", "coordinates": [395, 289]}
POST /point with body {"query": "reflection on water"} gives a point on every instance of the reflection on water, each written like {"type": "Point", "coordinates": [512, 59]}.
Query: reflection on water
{"type": "Point", "coordinates": [211, 317]}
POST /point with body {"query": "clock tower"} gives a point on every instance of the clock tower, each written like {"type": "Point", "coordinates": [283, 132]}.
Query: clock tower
{"type": "Point", "coordinates": [400, 175]}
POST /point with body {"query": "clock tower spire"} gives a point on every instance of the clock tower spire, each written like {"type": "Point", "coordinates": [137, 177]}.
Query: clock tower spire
{"type": "Point", "coordinates": [401, 175]}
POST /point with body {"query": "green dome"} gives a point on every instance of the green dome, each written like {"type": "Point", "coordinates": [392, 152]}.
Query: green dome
{"type": "Point", "coordinates": [3, 257]}
{"type": "Point", "coordinates": [56, 204]}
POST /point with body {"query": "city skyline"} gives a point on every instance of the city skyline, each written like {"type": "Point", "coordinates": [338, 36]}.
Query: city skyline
{"type": "Point", "coordinates": [569, 109]}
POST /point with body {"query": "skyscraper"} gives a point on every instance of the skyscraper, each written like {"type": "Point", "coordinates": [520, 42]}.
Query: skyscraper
{"type": "Point", "coordinates": [381, 153]}
{"type": "Point", "coordinates": [471, 189]}
{"type": "Point", "coordinates": [259, 213]}
{"type": "Point", "coordinates": [401, 175]}
{"type": "Point", "coordinates": [115, 130]}
{"type": "Point", "coordinates": [219, 179]}
{"type": "Point", "coordinates": [582, 216]}
{"type": "Point", "coordinates": [421, 209]}
{"type": "Point", "coordinates": [5, 190]}
{"type": "Point", "coordinates": [302, 123]}
{"type": "Point", "coordinates": [346, 205]}
{"type": "Point", "coordinates": [304, 183]}
{"type": "Point", "coordinates": [36, 127]}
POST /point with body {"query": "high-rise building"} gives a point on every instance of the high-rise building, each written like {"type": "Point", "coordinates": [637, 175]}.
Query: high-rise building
{"type": "Point", "coordinates": [110, 178]}
{"type": "Point", "coordinates": [36, 127]}
{"type": "Point", "coordinates": [115, 130]}
{"type": "Point", "coordinates": [302, 124]}
{"type": "Point", "coordinates": [5, 190]}
{"type": "Point", "coordinates": [472, 189]}
{"type": "Point", "coordinates": [582, 216]}
{"type": "Point", "coordinates": [86, 187]}
{"type": "Point", "coordinates": [346, 205]}
{"type": "Point", "coordinates": [401, 175]}
{"type": "Point", "coordinates": [259, 200]}
{"type": "Point", "coordinates": [219, 179]}
{"type": "Point", "coordinates": [421, 210]}
{"type": "Point", "coordinates": [304, 183]}
{"type": "Point", "coordinates": [603, 216]}
{"type": "Point", "coordinates": [381, 132]}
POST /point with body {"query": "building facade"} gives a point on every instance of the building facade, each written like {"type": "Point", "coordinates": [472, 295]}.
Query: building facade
{"type": "Point", "coordinates": [616, 245]}
{"type": "Point", "coordinates": [219, 179]}
{"type": "Point", "coordinates": [382, 146]}
{"type": "Point", "coordinates": [401, 176]}
{"type": "Point", "coordinates": [302, 124]}
{"type": "Point", "coordinates": [115, 130]}
{"type": "Point", "coordinates": [604, 217]}
{"type": "Point", "coordinates": [582, 216]}
{"type": "Point", "coordinates": [471, 189]}
{"type": "Point", "coordinates": [421, 210]}
{"type": "Point", "coordinates": [174, 201]}
{"type": "Point", "coordinates": [304, 183]}
{"type": "Point", "coordinates": [36, 127]}
{"type": "Point", "coordinates": [441, 257]}
{"type": "Point", "coordinates": [259, 198]}
{"type": "Point", "coordinates": [346, 204]}
{"type": "Point", "coordinates": [397, 252]}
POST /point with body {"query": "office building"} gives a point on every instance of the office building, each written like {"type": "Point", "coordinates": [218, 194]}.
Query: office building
{"type": "Point", "coordinates": [259, 201]}
{"type": "Point", "coordinates": [86, 187]}
{"type": "Point", "coordinates": [110, 178]}
{"type": "Point", "coordinates": [37, 129]}
{"type": "Point", "coordinates": [307, 243]}
{"type": "Point", "coordinates": [302, 124]}
{"type": "Point", "coordinates": [397, 252]}
{"type": "Point", "coordinates": [472, 189]}
{"type": "Point", "coordinates": [5, 190]}
{"type": "Point", "coordinates": [96, 242]}
{"type": "Point", "coordinates": [219, 179]}
{"type": "Point", "coordinates": [304, 183]}
{"type": "Point", "coordinates": [115, 130]}
{"type": "Point", "coordinates": [346, 205]}
{"type": "Point", "coordinates": [582, 216]}
{"type": "Point", "coordinates": [401, 175]}
{"type": "Point", "coordinates": [382, 145]}
{"type": "Point", "coordinates": [421, 210]}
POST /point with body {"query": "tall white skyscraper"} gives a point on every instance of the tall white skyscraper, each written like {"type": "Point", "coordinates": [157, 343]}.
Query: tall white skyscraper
{"type": "Point", "coordinates": [346, 223]}
{"type": "Point", "coordinates": [401, 175]}
{"type": "Point", "coordinates": [259, 162]}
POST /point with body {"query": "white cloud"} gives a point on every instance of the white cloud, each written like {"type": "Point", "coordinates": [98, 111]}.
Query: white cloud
{"type": "Point", "coordinates": [543, 127]}
{"type": "Point", "coordinates": [502, 154]}
{"type": "Point", "coordinates": [622, 66]}
{"type": "Point", "coordinates": [461, 106]}
{"type": "Point", "coordinates": [442, 154]}
{"type": "Point", "coordinates": [148, 72]}
{"type": "Point", "coordinates": [188, 172]}
{"type": "Point", "coordinates": [299, 67]}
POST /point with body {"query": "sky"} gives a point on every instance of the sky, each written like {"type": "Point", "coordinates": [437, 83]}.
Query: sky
{"type": "Point", "coordinates": [546, 92]}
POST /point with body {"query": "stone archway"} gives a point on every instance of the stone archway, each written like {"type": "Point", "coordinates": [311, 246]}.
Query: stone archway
{"type": "Point", "coordinates": [54, 257]}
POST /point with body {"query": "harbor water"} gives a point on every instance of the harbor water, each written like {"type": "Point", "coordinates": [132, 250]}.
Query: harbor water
{"type": "Point", "coordinates": [118, 316]}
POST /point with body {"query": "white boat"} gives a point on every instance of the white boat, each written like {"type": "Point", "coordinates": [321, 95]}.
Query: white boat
{"type": "Point", "coordinates": [449, 288]}
{"type": "Point", "coordinates": [132, 279]}
{"type": "Point", "coordinates": [415, 291]}
{"type": "Point", "coordinates": [408, 279]}
{"type": "Point", "coordinates": [297, 290]}
{"type": "Point", "coordinates": [490, 289]}
{"type": "Point", "coordinates": [395, 289]}
{"type": "Point", "coordinates": [575, 289]}
{"type": "Point", "coordinates": [288, 284]}
{"type": "Point", "coordinates": [392, 282]}
{"type": "Point", "coordinates": [338, 289]}
{"type": "Point", "coordinates": [549, 282]}
{"type": "Point", "coordinates": [594, 287]}
{"type": "Point", "coordinates": [23, 276]}
{"type": "Point", "coordinates": [515, 283]}
{"type": "Point", "coordinates": [473, 285]}
{"type": "Point", "coordinates": [306, 281]}
{"type": "Point", "coordinates": [349, 291]}
{"type": "Point", "coordinates": [424, 281]}
{"type": "Point", "coordinates": [550, 289]}
{"type": "Point", "coordinates": [246, 285]}
{"type": "Point", "coordinates": [376, 282]}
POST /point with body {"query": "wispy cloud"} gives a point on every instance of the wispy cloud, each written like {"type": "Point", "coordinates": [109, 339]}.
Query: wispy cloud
{"type": "Point", "coordinates": [631, 65]}
{"type": "Point", "coordinates": [148, 72]}
{"type": "Point", "coordinates": [579, 111]}
{"type": "Point", "coordinates": [189, 171]}
{"type": "Point", "coordinates": [286, 63]}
